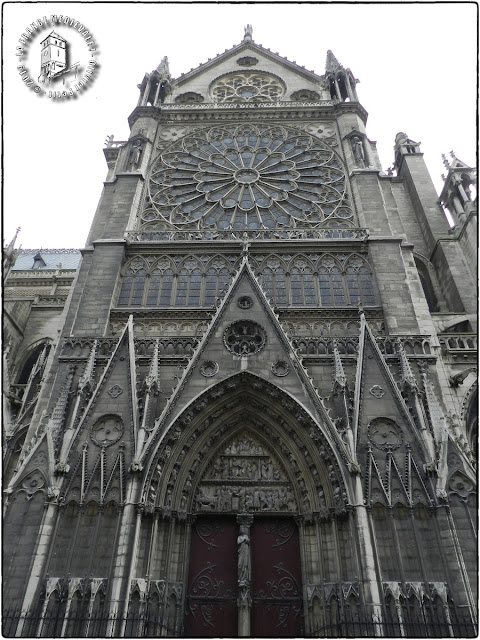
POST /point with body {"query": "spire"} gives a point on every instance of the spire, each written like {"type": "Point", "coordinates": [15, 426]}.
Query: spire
{"type": "Point", "coordinates": [332, 63]}
{"type": "Point", "coordinates": [86, 380]}
{"type": "Point", "coordinates": [340, 377]}
{"type": "Point", "coordinates": [151, 381]}
{"type": "Point", "coordinates": [10, 254]}
{"type": "Point", "coordinates": [163, 69]}
{"type": "Point", "coordinates": [408, 377]}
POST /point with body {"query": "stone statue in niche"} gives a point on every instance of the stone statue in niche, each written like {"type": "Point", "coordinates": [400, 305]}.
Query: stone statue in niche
{"type": "Point", "coordinates": [358, 153]}
{"type": "Point", "coordinates": [135, 155]}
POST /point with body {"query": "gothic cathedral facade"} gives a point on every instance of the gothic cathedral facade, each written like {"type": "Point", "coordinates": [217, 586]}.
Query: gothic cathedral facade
{"type": "Point", "coordinates": [258, 417]}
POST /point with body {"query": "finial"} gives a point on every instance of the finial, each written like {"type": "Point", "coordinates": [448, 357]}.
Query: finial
{"type": "Point", "coordinates": [248, 35]}
{"type": "Point", "coordinates": [445, 161]}
{"type": "Point", "coordinates": [163, 69]}
{"type": "Point", "coordinates": [452, 154]}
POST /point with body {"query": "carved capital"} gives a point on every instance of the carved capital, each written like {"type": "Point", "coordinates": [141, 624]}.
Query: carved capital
{"type": "Point", "coordinates": [245, 519]}
{"type": "Point", "coordinates": [61, 468]}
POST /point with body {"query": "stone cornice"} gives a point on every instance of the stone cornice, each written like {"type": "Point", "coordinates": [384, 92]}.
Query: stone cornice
{"type": "Point", "coordinates": [143, 112]}
{"type": "Point", "coordinates": [226, 237]}
{"type": "Point", "coordinates": [243, 111]}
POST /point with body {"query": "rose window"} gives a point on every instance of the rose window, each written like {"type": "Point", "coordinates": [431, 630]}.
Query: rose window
{"type": "Point", "coordinates": [247, 177]}
{"type": "Point", "coordinates": [247, 87]}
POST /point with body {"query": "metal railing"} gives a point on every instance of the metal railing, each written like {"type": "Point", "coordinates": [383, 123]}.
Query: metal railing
{"type": "Point", "coordinates": [56, 625]}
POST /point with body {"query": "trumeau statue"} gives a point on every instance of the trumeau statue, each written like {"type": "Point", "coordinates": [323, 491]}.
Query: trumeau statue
{"type": "Point", "coordinates": [243, 542]}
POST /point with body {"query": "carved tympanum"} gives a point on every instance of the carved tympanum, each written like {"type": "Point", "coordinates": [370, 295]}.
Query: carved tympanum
{"type": "Point", "coordinates": [245, 477]}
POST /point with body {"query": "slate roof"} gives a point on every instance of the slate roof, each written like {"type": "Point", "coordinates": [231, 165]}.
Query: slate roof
{"type": "Point", "coordinates": [70, 259]}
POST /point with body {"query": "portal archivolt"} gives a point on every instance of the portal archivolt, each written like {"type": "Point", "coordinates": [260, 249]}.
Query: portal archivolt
{"type": "Point", "coordinates": [244, 436]}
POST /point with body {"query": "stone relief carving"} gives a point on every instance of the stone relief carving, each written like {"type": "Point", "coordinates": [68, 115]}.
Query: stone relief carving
{"type": "Point", "coordinates": [33, 482]}
{"type": "Point", "coordinates": [377, 391]}
{"type": "Point", "coordinates": [460, 485]}
{"type": "Point", "coordinates": [280, 368]}
{"type": "Point", "coordinates": [107, 430]}
{"type": "Point", "coordinates": [244, 477]}
{"type": "Point", "coordinates": [115, 391]}
{"type": "Point", "coordinates": [209, 368]}
{"type": "Point", "coordinates": [247, 61]}
{"type": "Point", "coordinates": [173, 132]}
{"type": "Point", "coordinates": [385, 434]}
{"type": "Point", "coordinates": [245, 302]}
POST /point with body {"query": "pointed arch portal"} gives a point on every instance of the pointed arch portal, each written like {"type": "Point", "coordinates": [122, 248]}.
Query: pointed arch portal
{"type": "Point", "coordinates": [249, 464]}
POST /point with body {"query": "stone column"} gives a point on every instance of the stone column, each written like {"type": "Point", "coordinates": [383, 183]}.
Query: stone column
{"type": "Point", "coordinates": [244, 575]}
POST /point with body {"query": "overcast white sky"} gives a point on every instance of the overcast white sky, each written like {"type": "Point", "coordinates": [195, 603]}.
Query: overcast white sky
{"type": "Point", "coordinates": [416, 64]}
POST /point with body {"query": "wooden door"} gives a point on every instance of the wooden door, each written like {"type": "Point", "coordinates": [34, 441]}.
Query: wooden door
{"type": "Point", "coordinates": [211, 602]}
{"type": "Point", "coordinates": [276, 578]}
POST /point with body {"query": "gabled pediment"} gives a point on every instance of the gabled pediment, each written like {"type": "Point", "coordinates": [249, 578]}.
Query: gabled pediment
{"type": "Point", "coordinates": [247, 58]}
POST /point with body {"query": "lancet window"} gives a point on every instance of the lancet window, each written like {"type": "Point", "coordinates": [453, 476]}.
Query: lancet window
{"type": "Point", "coordinates": [179, 281]}
{"type": "Point", "coordinates": [318, 281]}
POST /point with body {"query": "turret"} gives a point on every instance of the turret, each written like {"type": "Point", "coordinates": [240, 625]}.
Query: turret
{"type": "Point", "coordinates": [459, 191]}
{"type": "Point", "coordinates": [341, 81]}
{"type": "Point", "coordinates": [154, 86]}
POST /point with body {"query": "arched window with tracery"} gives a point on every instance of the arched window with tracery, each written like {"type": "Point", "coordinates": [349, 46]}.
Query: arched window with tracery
{"type": "Point", "coordinates": [133, 284]}
{"type": "Point", "coordinates": [359, 281]}
{"type": "Point", "coordinates": [302, 285]}
{"type": "Point", "coordinates": [274, 281]}
{"type": "Point", "coordinates": [161, 284]}
{"type": "Point", "coordinates": [330, 279]}
{"type": "Point", "coordinates": [186, 282]}
{"type": "Point", "coordinates": [189, 282]}
{"type": "Point", "coordinates": [216, 280]}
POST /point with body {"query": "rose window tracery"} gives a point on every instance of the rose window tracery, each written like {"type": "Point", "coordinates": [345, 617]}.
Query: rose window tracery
{"type": "Point", "coordinates": [247, 177]}
{"type": "Point", "coordinates": [251, 86]}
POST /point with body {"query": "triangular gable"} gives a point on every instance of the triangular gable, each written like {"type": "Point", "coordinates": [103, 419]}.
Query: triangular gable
{"type": "Point", "coordinates": [246, 47]}
{"type": "Point", "coordinates": [376, 392]}
{"type": "Point", "coordinates": [114, 395]}
{"type": "Point", "coordinates": [245, 301]}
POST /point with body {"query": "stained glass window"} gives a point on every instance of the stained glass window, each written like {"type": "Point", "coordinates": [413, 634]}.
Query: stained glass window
{"type": "Point", "coordinates": [253, 86]}
{"type": "Point", "coordinates": [247, 177]}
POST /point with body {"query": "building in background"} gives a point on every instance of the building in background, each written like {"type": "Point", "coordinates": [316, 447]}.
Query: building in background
{"type": "Point", "coordinates": [249, 408]}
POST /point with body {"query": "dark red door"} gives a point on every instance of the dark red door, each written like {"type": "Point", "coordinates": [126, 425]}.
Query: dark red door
{"type": "Point", "coordinates": [211, 603]}
{"type": "Point", "coordinates": [276, 578]}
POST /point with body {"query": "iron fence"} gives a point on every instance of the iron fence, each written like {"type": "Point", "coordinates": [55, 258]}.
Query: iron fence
{"type": "Point", "coordinates": [32, 624]}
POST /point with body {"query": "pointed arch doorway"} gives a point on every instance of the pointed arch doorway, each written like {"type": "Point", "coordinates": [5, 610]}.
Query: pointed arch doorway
{"type": "Point", "coordinates": [244, 575]}
{"type": "Point", "coordinates": [219, 603]}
